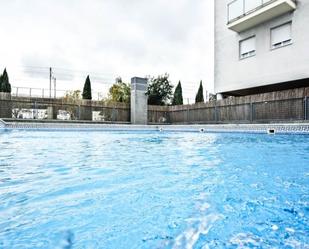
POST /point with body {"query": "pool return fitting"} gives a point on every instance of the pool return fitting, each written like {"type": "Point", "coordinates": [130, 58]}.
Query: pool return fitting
{"type": "Point", "coordinates": [271, 131]}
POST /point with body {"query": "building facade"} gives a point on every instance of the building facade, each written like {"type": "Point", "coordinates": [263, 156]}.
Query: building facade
{"type": "Point", "coordinates": [261, 46]}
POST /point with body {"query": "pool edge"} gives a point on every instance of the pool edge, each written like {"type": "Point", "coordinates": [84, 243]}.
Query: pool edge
{"type": "Point", "coordinates": [274, 128]}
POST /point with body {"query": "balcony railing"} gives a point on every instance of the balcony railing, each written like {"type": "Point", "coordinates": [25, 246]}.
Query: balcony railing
{"type": "Point", "coordinates": [240, 8]}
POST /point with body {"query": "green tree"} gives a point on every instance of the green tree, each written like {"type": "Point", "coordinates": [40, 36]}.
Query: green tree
{"type": "Point", "coordinates": [159, 90]}
{"type": "Point", "coordinates": [87, 89]}
{"type": "Point", "coordinates": [178, 99]}
{"type": "Point", "coordinates": [5, 85]}
{"type": "Point", "coordinates": [200, 95]}
{"type": "Point", "coordinates": [119, 92]}
{"type": "Point", "coordinates": [72, 96]}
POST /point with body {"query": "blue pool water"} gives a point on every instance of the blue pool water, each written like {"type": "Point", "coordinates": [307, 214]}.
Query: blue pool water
{"type": "Point", "coordinates": [153, 190]}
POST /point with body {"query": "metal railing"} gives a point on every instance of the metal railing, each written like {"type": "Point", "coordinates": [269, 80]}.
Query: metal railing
{"type": "Point", "coordinates": [239, 8]}
{"type": "Point", "coordinates": [45, 93]}
{"type": "Point", "coordinates": [37, 92]}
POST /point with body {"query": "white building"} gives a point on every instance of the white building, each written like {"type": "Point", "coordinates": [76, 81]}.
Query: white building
{"type": "Point", "coordinates": [261, 46]}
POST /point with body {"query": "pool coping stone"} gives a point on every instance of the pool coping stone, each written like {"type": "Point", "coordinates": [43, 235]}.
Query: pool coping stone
{"type": "Point", "coordinates": [283, 128]}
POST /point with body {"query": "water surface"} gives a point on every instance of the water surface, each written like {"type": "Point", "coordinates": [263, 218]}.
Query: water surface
{"type": "Point", "coordinates": [153, 190]}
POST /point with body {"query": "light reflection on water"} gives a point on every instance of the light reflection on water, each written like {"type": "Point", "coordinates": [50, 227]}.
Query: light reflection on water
{"type": "Point", "coordinates": [153, 190]}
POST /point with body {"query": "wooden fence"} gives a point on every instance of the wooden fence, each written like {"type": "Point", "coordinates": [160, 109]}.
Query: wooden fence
{"type": "Point", "coordinates": [45, 108]}
{"type": "Point", "coordinates": [283, 106]}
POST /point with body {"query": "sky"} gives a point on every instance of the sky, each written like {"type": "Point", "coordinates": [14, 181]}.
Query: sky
{"type": "Point", "coordinates": [107, 39]}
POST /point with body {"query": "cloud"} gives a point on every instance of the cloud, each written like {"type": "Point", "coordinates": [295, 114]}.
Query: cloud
{"type": "Point", "coordinates": [110, 38]}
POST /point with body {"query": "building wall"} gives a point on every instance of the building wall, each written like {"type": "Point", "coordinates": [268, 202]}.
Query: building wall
{"type": "Point", "coordinates": [268, 66]}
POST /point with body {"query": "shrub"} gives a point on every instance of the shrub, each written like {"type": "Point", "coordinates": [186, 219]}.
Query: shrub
{"type": "Point", "coordinates": [159, 90]}
{"type": "Point", "coordinates": [5, 85]}
{"type": "Point", "coordinates": [87, 89]}
{"type": "Point", "coordinates": [200, 95]}
{"type": "Point", "coordinates": [178, 99]}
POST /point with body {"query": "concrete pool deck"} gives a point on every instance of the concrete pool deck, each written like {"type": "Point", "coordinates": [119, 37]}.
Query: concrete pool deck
{"type": "Point", "coordinates": [280, 128]}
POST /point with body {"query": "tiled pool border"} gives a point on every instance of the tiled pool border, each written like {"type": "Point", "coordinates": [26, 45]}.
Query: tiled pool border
{"type": "Point", "coordinates": [280, 128]}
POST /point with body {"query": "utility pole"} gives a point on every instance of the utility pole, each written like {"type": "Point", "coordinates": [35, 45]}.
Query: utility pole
{"type": "Point", "coordinates": [50, 81]}
{"type": "Point", "coordinates": [54, 87]}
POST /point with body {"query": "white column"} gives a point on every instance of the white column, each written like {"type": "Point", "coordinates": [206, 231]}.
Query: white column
{"type": "Point", "coordinates": [139, 108]}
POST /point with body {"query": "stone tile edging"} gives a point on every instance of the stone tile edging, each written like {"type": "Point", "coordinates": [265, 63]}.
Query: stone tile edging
{"type": "Point", "coordinates": [291, 128]}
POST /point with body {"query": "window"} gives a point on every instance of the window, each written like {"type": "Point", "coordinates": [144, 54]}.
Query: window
{"type": "Point", "coordinates": [281, 35]}
{"type": "Point", "coordinates": [247, 47]}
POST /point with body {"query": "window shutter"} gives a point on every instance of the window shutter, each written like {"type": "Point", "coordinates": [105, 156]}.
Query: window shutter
{"type": "Point", "coordinates": [281, 34]}
{"type": "Point", "coordinates": [247, 45]}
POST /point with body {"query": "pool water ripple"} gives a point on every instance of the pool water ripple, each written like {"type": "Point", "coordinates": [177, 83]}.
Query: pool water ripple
{"type": "Point", "coordinates": [153, 190]}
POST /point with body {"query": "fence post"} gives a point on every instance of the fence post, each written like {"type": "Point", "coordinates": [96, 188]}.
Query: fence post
{"type": "Point", "coordinates": [35, 114]}
{"type": "Point", "coordinates": [78, 107]}
{"type": "Point", "coordinates": [51, 112]}
{"type": "Point", "coordinates": [188, 114]}
{"type": "Point", "coordinates": [86, 109]}
{"type": "Point", "coordinates": [30, 92]}
{"type": "Point", "coordinates": [5, 105]}
{"type": "Point", "coordinates": [216, 114]}
{"type": "Point", "coordinates": [306, 108]}
{"type": "Point", "coordinates": [251, 112]}
{"type": "Point", "coordinates": [113, 117]}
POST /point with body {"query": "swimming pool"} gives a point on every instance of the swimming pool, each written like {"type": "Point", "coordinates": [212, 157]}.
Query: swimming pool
{"type": "Point", "coordinates": [153, 190]}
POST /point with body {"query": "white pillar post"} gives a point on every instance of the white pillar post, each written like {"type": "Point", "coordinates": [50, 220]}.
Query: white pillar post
{"type": "Point", "coordinates": [139, 108]}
